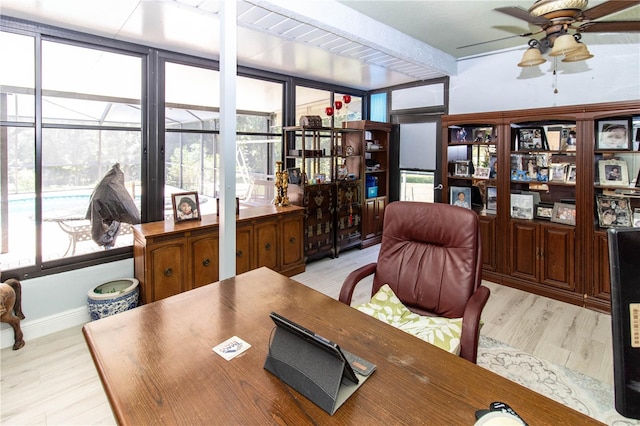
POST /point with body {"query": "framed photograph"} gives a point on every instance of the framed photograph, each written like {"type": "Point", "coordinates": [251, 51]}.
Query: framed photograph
{"type": "Point", "coordinates": [557, 172]}
{"type": "Point", "coordinates": [493, 166]}
{"type": "Point", "coordinates": [492, 199]}
{"type": "Point", "coordinates": [531, 139]}
{"type": "Point", "coordinates": [613, 135]}
{"type": "Point", "coordinates": [543, 211]}
{"type": "Point", "coordinates": [636, 218]}
{"type": "Point", "coordinates": [571, 174]}
{"type": "Point", "coordinates": [613, 211]}
{"type": "Point", "coordinates": [638, 180]}
{"type": "Point", "coordinates": [613, 172]}
{"type": "Point", "coordinates": [320, 178]}
{"type": "Point", "coordinates": [186, 206]}
{"type": "Point", "coordinates": [482, 135]}
{"type": "Point", "coordinates": [564, 213]}
{"type": "Point", "coordinates": [460, 196]}
{"type": "Point", "coordinates": [569, 140]}
{"type": "Point", "coordinates": [522, 206]}
{"type": "Point", "coordinates": [294, 175]}
{"type": "Point", "coordinates": [482, 173]}
{"type": "Point", "coordinates": [461, 168]}
{"type": "Point", "coordinates": [543, 174]}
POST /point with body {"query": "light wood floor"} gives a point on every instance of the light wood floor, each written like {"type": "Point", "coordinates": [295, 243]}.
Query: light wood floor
{"type": "Point", "coordinates": [53, 381]}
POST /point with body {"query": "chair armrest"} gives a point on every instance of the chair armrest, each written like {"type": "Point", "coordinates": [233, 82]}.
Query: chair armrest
{"type": "Point", "coordinates": [471, 324]}
{"type": "Point", "coordinates": [349, 284]}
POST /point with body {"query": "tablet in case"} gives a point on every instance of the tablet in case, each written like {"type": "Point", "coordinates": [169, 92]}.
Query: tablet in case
{"type": "Point", "coordinates": [312, 365]}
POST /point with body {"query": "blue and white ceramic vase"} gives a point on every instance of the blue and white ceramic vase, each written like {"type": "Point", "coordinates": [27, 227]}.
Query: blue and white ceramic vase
{"type": "Point", "coordinates": [113, 297]}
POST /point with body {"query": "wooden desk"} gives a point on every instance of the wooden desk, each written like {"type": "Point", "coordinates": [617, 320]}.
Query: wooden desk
{"type": "Point", "coordinates": [157, 366]}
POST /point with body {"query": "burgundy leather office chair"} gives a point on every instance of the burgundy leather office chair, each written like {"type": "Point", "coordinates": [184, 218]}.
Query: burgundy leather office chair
{"type": "Point", "coordinates": [431, 257]}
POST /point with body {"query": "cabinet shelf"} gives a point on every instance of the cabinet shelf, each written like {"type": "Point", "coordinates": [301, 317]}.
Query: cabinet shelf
{"type": "Point", "coordinates": [559, 260]}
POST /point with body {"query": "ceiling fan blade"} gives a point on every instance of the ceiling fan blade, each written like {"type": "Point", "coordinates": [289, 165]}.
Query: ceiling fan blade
{"type": "Point", "coordinates": [494, 40]}
{"type": "Point", "coordinates": [607, 8]}
{"type": "Point", "coordinates": [520, 13]}
{"type": "Point", "coordinates": [610, 27]}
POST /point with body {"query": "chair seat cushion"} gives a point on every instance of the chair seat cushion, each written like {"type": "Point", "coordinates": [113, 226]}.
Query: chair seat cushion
{"type": "Point", "coordinates": [439, 331]}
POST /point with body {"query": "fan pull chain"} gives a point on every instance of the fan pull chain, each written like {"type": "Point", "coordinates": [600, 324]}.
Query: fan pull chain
{"type": "Point", "coordinates": [555, 74]}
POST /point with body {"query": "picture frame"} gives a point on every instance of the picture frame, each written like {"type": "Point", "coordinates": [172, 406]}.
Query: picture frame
{"type": "Point", "coordinates": [571, 174]}
{"type": "Point", "coordinates": [218, 206]}
{"type": "Point", "coordinates": [461, 168]}
{"type": "Point", "coordinates": [543, 174]}
{"type": "Point", "coordinates": [531, 139]}
{"type": "Point", "coordinates": [522, 206]}
{"type": "Point", "coordinates": [543, 211]}
{"type": "Point", "coordinates": [320, 178]}
{"type": "Point", "coordinates": [638, 180]}
{"type": "Point", "coordinates": [564, 213]}
{"type": "Point", "coordinates": [460, 196]}
{"type": "Point", "coordinates": [492, 199]}
{"type": "Point", "coordinates": [482, 173]}
{"type": "Point", "coordinates": [613, 135]}
{"type": "Point", "coordinates": [613, 211]}
{"type": "Point", "coordinates": [636, 218]}
{"type": "Point", "coordinates": [482, 134]}
{"type": "Point", "coordinates": [295, 177]}
{"type": "Point", "coordinates": [186, 206]}
{"type": "Point", "coordinates": [613, 172]}
{"type": "Point", "coordinates": [569, 140]}
{"type": "Point", "coordinates": [557, 172]}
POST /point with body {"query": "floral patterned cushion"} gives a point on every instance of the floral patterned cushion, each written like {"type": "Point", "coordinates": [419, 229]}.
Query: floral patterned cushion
{"type": "Point", "coordinates": [441, 332]}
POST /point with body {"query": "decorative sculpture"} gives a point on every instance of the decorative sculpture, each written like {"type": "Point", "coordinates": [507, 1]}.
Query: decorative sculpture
{"type": "Point", "coordinates": [10, 303]}
{"type": "Point", "coordinates": [282, 185]}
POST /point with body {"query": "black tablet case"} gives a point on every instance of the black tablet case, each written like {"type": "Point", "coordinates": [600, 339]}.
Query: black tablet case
{"type": "Point", "coordinates": [624, 268]}
{"type": "Point", "coordinates": [310, 369]}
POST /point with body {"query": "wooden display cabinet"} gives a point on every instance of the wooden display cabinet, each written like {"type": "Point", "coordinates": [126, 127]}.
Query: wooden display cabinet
{"type": "Point", "coordinates": [374, 141]}
{"type": "Point", "coordinates": [330, 161]}
{"type": "Point", "coordinates": [565, 261]}
{"type": "Point", "coordinates": [170, 258]}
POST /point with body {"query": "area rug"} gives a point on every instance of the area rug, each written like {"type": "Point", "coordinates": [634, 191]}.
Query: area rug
{"type": "Point", "coordinates": [578, 391]}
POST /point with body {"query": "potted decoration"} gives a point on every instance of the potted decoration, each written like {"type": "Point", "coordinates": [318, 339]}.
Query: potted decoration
{"type": "Point", "coordinates": [113, 297]}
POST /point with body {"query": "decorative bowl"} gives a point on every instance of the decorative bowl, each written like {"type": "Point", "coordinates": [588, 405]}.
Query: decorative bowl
{"type": "Point", "coordinates": [113, 297]}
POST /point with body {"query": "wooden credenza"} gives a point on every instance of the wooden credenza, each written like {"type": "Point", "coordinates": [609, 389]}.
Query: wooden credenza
{"type": "Point", "coordinates": [170, 258]}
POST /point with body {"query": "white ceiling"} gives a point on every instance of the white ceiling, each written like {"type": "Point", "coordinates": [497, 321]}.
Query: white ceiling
{"type": "Point", "coordinates": [360, 44]}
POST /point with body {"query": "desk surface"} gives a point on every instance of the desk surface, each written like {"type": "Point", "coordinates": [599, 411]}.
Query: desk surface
{"type": "Point", "coordinates": [157, 365]}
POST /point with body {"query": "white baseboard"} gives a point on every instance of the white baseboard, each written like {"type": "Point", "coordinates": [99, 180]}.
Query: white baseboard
{"type": "Point", "coordinates": [47, 325]}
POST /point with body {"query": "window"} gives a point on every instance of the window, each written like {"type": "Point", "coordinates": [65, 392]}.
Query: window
{"type": "Point", "coordinates": [192, 129]}
{"type": "Point", "coordinates": [91, 120]}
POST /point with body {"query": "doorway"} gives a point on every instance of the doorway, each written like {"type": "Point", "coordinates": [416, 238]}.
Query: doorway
{"type": "Point", "coordinates": [415, 156]}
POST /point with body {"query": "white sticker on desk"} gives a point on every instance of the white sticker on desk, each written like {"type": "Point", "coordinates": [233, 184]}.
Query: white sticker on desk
{"type": "Point", "coordinates": [231, 348]}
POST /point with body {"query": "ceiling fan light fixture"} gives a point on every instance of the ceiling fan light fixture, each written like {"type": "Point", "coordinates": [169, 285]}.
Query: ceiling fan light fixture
{"type": "Point", "coordinates": [580, 54]}
{"type": "Point", "coordinates": [531, 58]}
{"type": "Point", "coordinates": [564, 45]}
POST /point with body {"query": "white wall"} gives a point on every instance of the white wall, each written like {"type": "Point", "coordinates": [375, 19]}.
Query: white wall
{"type": "Point", "coordinates": [55, 302]}
{"type": "Point", "coordinates": [496, 83]}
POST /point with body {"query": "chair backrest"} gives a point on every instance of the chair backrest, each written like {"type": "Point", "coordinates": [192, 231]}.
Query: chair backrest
{"type": "Point", "coordinates": [431, 256]}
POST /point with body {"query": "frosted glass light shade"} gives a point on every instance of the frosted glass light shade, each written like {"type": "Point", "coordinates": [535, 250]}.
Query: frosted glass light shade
{"type": "Point", "coordinates": [563, 45]}
{"type": "Point", "coordinates": [531, 58]}
{"type": "Point", "coordinates": [580, 54]}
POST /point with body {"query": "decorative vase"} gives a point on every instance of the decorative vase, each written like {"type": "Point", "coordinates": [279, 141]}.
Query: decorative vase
{"type": "Point", "coordinates": [113, 297]}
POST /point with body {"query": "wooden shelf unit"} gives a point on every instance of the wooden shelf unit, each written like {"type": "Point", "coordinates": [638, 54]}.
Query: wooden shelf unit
{"type": "Point", "coordinates": [562, 261]}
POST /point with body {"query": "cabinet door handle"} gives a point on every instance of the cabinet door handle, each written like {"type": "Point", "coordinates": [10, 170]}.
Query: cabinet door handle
{"type": "Point", "coordinates": [267, 246]}
{"type": "Point", "coordinates": [239, 253]}
{"type": "Point", "coordinates": [206, 262]}
{"type": "Point", "coordinates": [168, 272]}
{"type": "Point", "coordinates": [292, 240]}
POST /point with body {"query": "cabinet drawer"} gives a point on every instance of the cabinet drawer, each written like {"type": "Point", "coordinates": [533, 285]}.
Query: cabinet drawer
{"type": "Point", "coordinates": [266, 235]}
{"type": "Point", "coordinates": [204, 259]}
{"type": "Point", "coordinates": [167, 271]}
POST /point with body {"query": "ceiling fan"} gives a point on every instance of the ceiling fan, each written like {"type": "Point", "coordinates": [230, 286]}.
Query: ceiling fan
{"type": "Point", "coordinates": [556, 17]}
